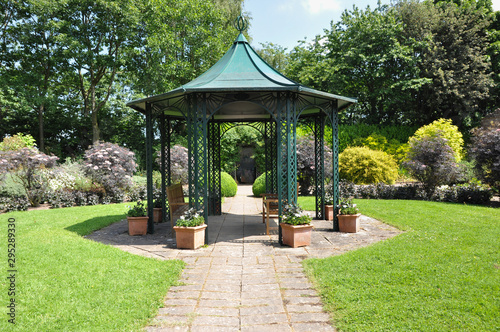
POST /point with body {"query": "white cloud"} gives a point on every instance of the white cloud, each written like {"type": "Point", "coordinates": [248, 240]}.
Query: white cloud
{"type": "Point", "coordinates": [319, 6]}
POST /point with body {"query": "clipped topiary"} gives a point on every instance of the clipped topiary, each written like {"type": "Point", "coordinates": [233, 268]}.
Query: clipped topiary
{"type": "Point", "coordinates": [362, 165]}
{"type": "Point", "coordinates": [445, 129]}
{"type": "Point", "coordinates": [259, 186]}
{"type": "Point", "coordinates": [228, 185]}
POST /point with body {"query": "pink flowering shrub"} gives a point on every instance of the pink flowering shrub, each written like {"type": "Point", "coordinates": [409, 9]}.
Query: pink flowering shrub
{"type": "Point", "coordinates": [27, 166]}
{"type": "Point", "coordinates": [111, 165]}
{"type": "Point", "coordinates": [178, 163]}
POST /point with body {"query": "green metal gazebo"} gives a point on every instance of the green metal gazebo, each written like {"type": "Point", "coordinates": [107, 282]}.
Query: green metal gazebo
{"type": "Point", "coordinates": [241, 88]}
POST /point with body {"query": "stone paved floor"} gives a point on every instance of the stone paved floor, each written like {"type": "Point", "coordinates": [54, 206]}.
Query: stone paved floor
{"type": "Point", "coordinates": [244, 280]}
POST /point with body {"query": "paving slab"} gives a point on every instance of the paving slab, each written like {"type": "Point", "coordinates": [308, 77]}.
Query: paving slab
{"type": "Point", "coordinates": [243, 280]}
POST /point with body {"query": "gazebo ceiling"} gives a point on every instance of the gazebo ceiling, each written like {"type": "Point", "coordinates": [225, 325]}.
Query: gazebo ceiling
{"type": "Point", "coordinates": [239, 81]}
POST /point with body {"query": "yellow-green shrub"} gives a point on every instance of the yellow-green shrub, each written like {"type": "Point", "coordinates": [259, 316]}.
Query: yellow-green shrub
{"type": "Point", "coordinates": [445, 129]}
{"type": "Point", "coordinates": [379, 142]}
{"type": "Point", "coordinates": [362, 165]}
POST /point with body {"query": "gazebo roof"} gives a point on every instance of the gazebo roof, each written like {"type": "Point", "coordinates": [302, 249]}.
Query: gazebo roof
{"type": "Point", "coordinates": [241, 69]}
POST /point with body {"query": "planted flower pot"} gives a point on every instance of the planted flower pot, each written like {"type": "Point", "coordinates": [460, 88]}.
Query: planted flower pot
{"type": "Point", "coordinates": [157, 215]}
{"type": "Point", "coordinates": [349, 223]}
{"type": "Point", "coordinates": [137, 225]}
{"type": "Point", "coordinates": [190, 237]}
{"type": "Point", "coordinates": [296, 235]}
{"type": "Point", "coordinates": [329, 212]}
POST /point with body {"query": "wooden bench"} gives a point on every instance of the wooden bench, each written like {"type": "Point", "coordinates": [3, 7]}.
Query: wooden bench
{"type": "Point", "coordinates": [176, 202]}
{"type": "Point", "coordinates": [269, 209]}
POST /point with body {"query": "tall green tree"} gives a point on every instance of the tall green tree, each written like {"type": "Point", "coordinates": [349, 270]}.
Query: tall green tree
{"type": "Point", "coordinates": [97, 36]}
{"type": "Point", "coordinates": [453, 58]}
{"type": "Point", "coordinates": [179, 41]}
{"type": "Point", "coordinates": [364, 56]}
{"type": "Point", "coordinates": [36, 58]}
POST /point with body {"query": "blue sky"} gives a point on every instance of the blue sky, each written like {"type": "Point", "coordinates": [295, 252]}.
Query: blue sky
{"type": "Point", "coordinates": [285, 22]}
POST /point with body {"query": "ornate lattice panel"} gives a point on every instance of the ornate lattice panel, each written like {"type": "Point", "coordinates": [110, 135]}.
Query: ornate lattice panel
{"type": "Point", "coordinates": [197, 152]}
{"type": "Point", "coordinates": [214, 165]}
{"type": "Point", "coordinates": [319, 163]}
{"type": "Point", "coordinates": [335, 148]}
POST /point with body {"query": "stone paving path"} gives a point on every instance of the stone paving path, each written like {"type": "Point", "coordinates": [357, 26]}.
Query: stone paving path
{"type": "Point", "coordinates": [244, 280]}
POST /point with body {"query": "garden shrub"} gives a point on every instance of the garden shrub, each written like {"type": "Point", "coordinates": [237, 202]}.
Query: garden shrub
{"type": "Point", "coordinates": [378, 142]}
{"type": "Point", "coordinates": [350, 134]}
{"type": "Point", "coordinates": [228, 185]}
{"type": "Point", "coordinates": [485, 149]}
{"type": "Point", "coordinates": [362, 165]}
{"type": "Point", "coordinates": [306, 163]}
{"type": "Point", "coordinates": [17, 142]}
{"type": "Point", "coordinates": [178, 163]}
{"type": "Point", "coordinates": [431, 161]}
{"type": "Point", "coordinates": [110, 165]}
{"type": "Point", "coordinates": [61, 198]}
{"type": "Point", "coordinates": [14, 203]}
{"type": "Point", "coordinates": [445, 129]}
{"type": "Point", "coordinates": [259, 185]}
{"type": "Point", "coordinates": [137, 193]}
{"type": "Point", "coordinates": [472, 193]}
{"type": "Point", "coordinates": [27, 167]}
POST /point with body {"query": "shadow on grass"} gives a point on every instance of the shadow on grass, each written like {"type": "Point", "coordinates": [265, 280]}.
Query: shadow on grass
{"type": "Point", "coordinates": [88, 226]}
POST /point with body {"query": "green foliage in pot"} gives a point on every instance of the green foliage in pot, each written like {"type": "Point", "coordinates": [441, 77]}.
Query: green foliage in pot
{"type": "Point", "coordinates": [138, 210]}
{"type": "Point", "coordinates": [294, 215]}
{"type": "Point", "coordinates": [347, 207]}
{"type": "Point", "coordinates": [191, 218]}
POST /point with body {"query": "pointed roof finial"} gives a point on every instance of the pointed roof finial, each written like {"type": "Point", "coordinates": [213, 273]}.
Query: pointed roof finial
{"type": "Point", "coordinates": [240, 23]}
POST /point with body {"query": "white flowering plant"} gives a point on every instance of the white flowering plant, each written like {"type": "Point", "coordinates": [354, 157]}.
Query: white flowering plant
{"type": "Point", "coordinates": [347, 207]}
{"type": "Point", "coordinates": [191, 218]}
{"type": "Point", "coordinates": [294, 215]}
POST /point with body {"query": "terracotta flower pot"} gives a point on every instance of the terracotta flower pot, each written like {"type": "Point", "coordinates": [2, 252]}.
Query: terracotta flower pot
{"type": "Point", "coordinates": [157, 215]}
{"type": "Point", "coordinates": [137, 225]}
{"type": "Point", "coordinates": [190, 237]}
{"type": "Point", "coordinates": [296, 235]}
{"type": "Point", "coordinates": [349, 223]}
{"type": "Point", "coordinates": [329, 212]}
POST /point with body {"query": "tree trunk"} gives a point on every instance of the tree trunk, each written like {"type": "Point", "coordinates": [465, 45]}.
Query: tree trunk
{"type": "Point", "coordinates": [41, 109]}
{"type": "Point", "coordinates": [96, 133]}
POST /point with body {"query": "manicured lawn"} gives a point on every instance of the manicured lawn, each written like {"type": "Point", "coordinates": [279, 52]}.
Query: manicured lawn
{"type": "Point", "coordinates": [442, 274]}
{"type": "Point", "coordinates": [68, 283]}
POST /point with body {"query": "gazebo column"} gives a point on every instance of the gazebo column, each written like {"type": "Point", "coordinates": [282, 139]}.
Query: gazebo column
{"type": "Point", "coordinates": [287, 153]}
{"type": "Point", "coordinates": [149, 166]}
{"type": "Point", "coordinates": [214, 164]}
{"type": "Point", "coordinates": [165, 164]}
{"type": "Point", "coordinates": [335, 174]}
{"type": "Point", "coordinates": [319, 163]}
{"type": "Point", "coordinates": [270, 141]}
{"type": "Point", "coordinates": [197, 154]}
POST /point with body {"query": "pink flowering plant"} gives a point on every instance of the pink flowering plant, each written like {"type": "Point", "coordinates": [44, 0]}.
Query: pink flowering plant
{"type": "Point", "coordinates": [178, 163]}
{"type": "Point", "coordinates": [111, 165]}
{"type": "Point", "coordinates": [27, 166]}
{"type": "Point", "coordinates": [294, 215]}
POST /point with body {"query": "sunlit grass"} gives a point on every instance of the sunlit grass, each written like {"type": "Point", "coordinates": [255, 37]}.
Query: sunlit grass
{"type": "Point", "coordinates": [68, 283]}
{"type": "Point", "coordinates": [442, 274]}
